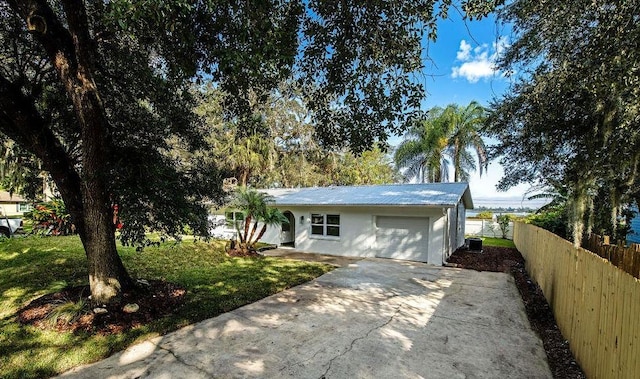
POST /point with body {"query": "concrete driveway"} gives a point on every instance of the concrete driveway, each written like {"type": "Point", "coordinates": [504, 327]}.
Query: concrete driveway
{"type": "Point", "coordinates": [371, 319]}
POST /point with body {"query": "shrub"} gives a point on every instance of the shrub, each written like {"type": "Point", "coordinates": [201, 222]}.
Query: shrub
{"type": "Point", "coordinates": [51, 218]}
{"type": "Point", "coordinates": [67, 312]}
{"type": "Point", "coordinates": [485, 215]}
{"type": "Point", "coordinates": [553, 220]}
{"type": "Point", "coordinates": [503, 222]}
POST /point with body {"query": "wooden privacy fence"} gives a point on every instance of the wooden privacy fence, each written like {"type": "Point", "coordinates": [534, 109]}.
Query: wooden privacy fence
{"type": "Point", "coordinates": [626, 258]}
{"type": "Point", "coordinates": [596, 305]}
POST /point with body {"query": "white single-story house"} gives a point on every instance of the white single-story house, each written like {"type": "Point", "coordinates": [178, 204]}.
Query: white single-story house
{"type": "Point", "coordinates": [416, 222]}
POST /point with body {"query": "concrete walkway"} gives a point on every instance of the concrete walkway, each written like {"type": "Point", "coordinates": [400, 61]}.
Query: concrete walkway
{"type": "Point", "coordinates": [371, 319]}
{"type": "Point", "coordinates": [288, 253]}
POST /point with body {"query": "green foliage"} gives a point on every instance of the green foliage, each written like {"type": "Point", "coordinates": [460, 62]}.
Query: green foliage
{"type": "Point", "coordinates": [570, 121]}
{"type": "Point", "coordinates": [255, 207]}
{"type": "Point", "coordinates": [485, 215]}
{"type": "Point", "coordinates": [67, 311]}
{"type": "Point", "coordinates": [277, 147]}
{"type": "Point", "coordinates": [31, 267]}
{"type": "Point", "coordinates": [554, 220]}
{"type": "Point", "coordinates": [51, 218]}
{"type": "Point", "coordinates": [19, 170]}
{"type": "Point", "coordinates": [370, 167]}
{"type": "Point", "coordinates": [503, 222]}
{"type": "Point", "coordinates": [442, 138]}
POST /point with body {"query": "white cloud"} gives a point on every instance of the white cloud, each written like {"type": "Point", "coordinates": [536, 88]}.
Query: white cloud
{"type": "Point", "coordinates": [478, 63]}
{"type": "Point", "coordinates": [474, 70]}
{"type": "Point", "coordinates": [465, 51]}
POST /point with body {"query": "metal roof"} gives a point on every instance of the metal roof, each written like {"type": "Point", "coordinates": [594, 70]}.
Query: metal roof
{"type": "Point", "coordinates": [7, 197]}
{"type": "Point", "coordinates": [428, 194]}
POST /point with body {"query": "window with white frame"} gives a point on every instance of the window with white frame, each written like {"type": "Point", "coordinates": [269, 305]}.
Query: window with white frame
{"type": "Point", "coordinates": [24, 207]}
{"type": "Point", "coordinates": [325, 225]}
{"type": "Point", "coordinates": [234, 218]}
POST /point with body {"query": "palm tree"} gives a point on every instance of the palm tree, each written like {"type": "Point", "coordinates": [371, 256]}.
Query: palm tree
{"type": "Point", "coordinates": [465, 126]}
{"type": "Point", "coordinates": [252, 204]}
{"type": "Point", "coordinates": [255, 208]}
{"type": "Point", "coordinates": [273, 216]}
{"type": "Point", "coordinates": [423, 152]}
{"type": "Point", "coordinates": [444, 137]}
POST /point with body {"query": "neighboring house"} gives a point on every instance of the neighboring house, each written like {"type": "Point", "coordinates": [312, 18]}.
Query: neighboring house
{"type": "Point", "coordinates": [634, 234]}
{"type": "Point", "coordinates": [13, 205]}
{"type": "Point", "coordinates": [416, 222]}
{"type": "Point", "coordinates": [223, 226]}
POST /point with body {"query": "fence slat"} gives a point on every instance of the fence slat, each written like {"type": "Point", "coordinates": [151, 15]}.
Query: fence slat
{"type": "Point", "coordinates": [592, 305]}
{"type": "Point", "coordinates": [596, 304]}
{"type": "Point", "coordinates": [626, 258]}
{"type": "Point", "coordinates": [635, 301]}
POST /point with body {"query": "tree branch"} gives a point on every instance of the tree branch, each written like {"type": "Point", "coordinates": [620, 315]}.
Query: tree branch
{"type": "Point", "coordinates": [21, 121]}
{"type": "Point", "coordinates": [55, 39]}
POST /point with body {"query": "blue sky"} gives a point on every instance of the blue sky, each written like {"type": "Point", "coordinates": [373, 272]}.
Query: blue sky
{"type": "Point", "coordinates": [459, 70]}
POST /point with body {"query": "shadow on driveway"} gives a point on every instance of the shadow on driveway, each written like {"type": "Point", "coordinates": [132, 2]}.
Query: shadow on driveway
{"type": "Point", "coordinates": [373, 318]}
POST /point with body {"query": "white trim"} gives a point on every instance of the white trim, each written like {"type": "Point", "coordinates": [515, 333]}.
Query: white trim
{"type": "Point", "coordinates": [325, 226]}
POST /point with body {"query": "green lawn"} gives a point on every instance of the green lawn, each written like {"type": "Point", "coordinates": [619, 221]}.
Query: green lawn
{"type": "Point", "coordinates": [34, 266]}
{"type": "Point", "coordinates": [499, 242]}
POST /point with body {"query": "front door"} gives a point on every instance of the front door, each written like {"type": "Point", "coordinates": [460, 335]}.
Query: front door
{"type": "Point", "coordinates": [288, 234]}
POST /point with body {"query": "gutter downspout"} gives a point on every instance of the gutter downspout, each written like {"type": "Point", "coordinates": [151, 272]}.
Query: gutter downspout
{"type": "Point", "coordinates": [445, 249]}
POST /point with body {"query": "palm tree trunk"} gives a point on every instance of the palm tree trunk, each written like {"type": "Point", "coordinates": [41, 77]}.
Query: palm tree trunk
{"type": "Point", "coordinates": [250, 240]}
{"type": "Point", "coordinates": [262, 231]}
{"type": "Point", "coordinates": [247, 223]}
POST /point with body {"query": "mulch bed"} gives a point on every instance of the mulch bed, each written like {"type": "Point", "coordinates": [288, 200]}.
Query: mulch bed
{"type": "Point", "coordinates": [243, 253]}
{"type": "Point", "coordinates": [155, 299]}
{"type": "Point", "coordinates": [504, 259]}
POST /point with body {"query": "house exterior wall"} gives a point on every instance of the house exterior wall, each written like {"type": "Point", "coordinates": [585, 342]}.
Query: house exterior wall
{"type": "Point", "coordinates": [357, 229]}
{"type": "Point", "coordinates": [451, 234]}
{"type": "Point", "coordinates": [634, 235]}
{"type": "Point", "coordinates": [462, 217]}
{"type": "Point", "coordinates": [456, 230]}
{"type": "Point", "coordinates": [11, 209]}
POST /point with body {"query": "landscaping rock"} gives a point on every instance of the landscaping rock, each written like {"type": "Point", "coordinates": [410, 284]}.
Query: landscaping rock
{"type": "Point", "coordinates": [131, 308]}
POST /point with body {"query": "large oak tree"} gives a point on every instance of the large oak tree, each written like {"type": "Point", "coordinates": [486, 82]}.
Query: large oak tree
{"type": "Point", "coordinates": [572, 122]}
{"type": "Point", "coordinates": [98, 92]}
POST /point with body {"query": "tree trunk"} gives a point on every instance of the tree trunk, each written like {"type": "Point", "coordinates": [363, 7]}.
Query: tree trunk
{"type": "Point", "coordinates": [578, 208]}
{"type": "Point", "coordinates": [68, 44]}
{"type": "Point", "coordinates": [247, 223]}
{"type": "Point", "coordinates": [107, 275]}
{"type": "Point", "coordinates": [244, 176]}
{"type": "Point", "coordinates": [250, 240]}
{"type": "Point", "coordinates": [262, 232]}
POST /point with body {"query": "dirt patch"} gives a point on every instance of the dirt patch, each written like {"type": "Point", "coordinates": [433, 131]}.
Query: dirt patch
{"type": "Point", "coordinates": [70, 309]}
{"type": "Point", "coordinates": [504, 259]}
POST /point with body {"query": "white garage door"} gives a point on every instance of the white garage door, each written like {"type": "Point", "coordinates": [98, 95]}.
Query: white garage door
{"type": "Point", "coordinates": [402, 237]}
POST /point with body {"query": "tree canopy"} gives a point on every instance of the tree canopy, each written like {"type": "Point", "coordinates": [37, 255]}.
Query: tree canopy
{"type": "Point", "coordinates": [444, 138]}
{"type": "Point", "coordinates": [571, 121]}
{"type": "Point", "coordinates": [99, 93]}
{"type": "Point", "coordinates": [279, 147]}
